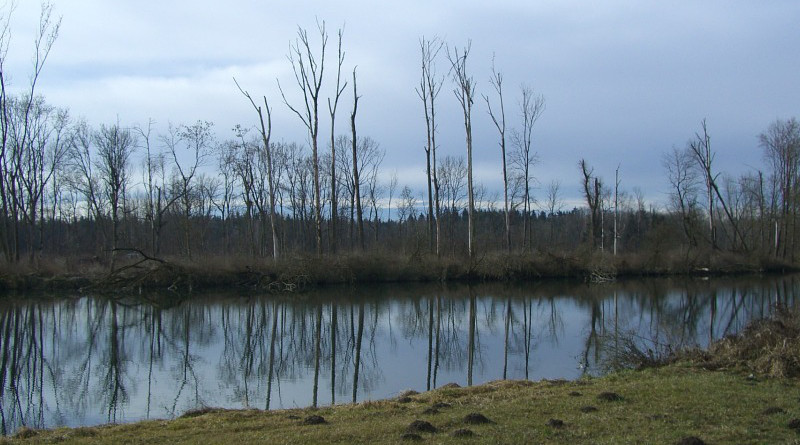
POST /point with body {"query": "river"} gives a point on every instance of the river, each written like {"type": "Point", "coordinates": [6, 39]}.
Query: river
{"type": "Point", "coordinates": [75, 359]}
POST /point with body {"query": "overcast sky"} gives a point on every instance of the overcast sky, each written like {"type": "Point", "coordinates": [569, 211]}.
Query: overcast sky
{"type": "Point", "coordinates": [624, 81]}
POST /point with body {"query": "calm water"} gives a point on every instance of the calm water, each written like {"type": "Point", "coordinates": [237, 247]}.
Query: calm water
{"type": "Point", "coordinates": [87, 359]}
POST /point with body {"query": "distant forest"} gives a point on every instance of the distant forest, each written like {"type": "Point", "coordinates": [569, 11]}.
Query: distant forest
{"type": "Point", "coordinates": [71, 190]}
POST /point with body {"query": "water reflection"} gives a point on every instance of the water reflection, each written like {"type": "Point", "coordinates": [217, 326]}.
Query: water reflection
{"type": "Point", "coordinates": [92, 360]}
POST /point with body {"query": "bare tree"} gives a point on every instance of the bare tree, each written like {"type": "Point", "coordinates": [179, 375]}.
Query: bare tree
{"type": "Point", "coordinates": [683, 198]}
{"type": "Point", "coordinates": [554, 204]}
{"type": "Point", "coordinates": [700, 148]}
{"type": "Point", "coordinates": [430, 85]}
{"type": "Point", "coordinates": [593, 192]}
{"type": "Point", "coordinates": [265, 131]}
{"type": "Point", "coordinates": [198, 141]}
{"type": "Point", "coordinates": [332, 108]}
{"type": "Point", "coordinates": [616, 208]}
{"type": "Point", "coordinates": [499, 119]}
{"type": "Point", "coordinates": [356, 181]}
{"type": "Point", "coordinates": [392, 188]}
{"type": "Point", "coordinates": [464, 92]}
{"type": "Point", "coordinates": [308, 71]}
{"type": "Point", "coordinates": [781, 144]}
{"type": "Point", "coordinates": [531, 108]}
{"type": "Point", "coordinates": [115, 146]}
{"type": "Point", "coordinates": [10, 165]}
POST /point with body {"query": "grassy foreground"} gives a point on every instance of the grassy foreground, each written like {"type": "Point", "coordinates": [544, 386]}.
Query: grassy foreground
{"type": "Point", "coordinates": [658, 405]}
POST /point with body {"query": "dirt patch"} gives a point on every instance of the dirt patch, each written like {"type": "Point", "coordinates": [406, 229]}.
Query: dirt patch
{"type": "Point", "coordinates": [463, 432]}
{"type": "Point", "coordinates": [555, 423]}
{"type": "Point", "coordinates": [408, 393]}
{"type": "Point", "coordinates": [575, 394]}
{"type": "Point", "coordinates": [476, 419]}
{"type": "Point", "coordinates": [773, 410]}
{"type": "Point", "coordinates": [441, 405]}
{"type": "Point", "coordinates": [609, 396]}
{"type": "Point", "coordinates": [198, 412]}
{"type": "Point", "coordinates": [314, 420]}
{"type": "Point", "coordinates": [794, 424]}
{"type": "Point", "coordinates": [430, 411]}
{"type": "Point", "coordinates": [84, 432]}
{"type": "Point", "coordinates": [691, 440]}
{"type": "Point", "coordinates": [421, 426]}
{"type": "Point", "coordinates": [588, 409]}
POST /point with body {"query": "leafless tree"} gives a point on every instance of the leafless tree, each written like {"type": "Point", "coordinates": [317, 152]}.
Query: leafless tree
{"type": "Point", "coordinates": [554, 201]}
{"type": "Point", "coordinates": [593, 192]}
{"type": "Point", "coordinates": [430, 85]}
{"type": "Point", "coordinates": [392, 188]}
{"type": "Point", "coordinates": [683, 198]}
{"type": "Point", "coordinates": [781, 144]}
{"type": "Point", "coordinates": [554, 204]}
{"type": "Point", "coordinates": [308, 71]}
{"type": "Point", "coordinates": [464, 92]}
{"type": "Point", "coordinates": [356, 180]}
{"type": "Point", "coordinates": [115, 146]}
{"type": "Point", "coordinates": [226, 162]}
{"type": "Point", "coordinates": [265, 131]}
{"type": "Point", "coordinates": [14, 147]}
{"type": "Point", "coordinates": [408, 204]}
{"type": "Point", "coordinates": [524, 158]}
{"type": "Point", "coordinates": [197, 142]}
{"type": "Point", "coordinates": [332, 109]}
{"type": "Point", "coordinates": [703, 155]}
{"type": "Point", "coordinates": [499, 120]}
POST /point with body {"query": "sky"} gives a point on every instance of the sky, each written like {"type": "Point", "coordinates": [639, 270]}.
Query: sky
{"type": "Point", "coordinates": [623, 81]}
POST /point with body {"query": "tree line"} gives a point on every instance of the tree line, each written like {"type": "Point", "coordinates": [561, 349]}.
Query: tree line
{"type": "Point", "coordinates": [94, 192]}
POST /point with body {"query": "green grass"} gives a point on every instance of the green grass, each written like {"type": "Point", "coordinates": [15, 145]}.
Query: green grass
{"type": "Point", "coordinates": [662, 405]}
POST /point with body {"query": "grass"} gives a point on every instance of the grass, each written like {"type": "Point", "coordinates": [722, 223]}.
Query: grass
{"type": "Point", "coordinates": [657, 405]}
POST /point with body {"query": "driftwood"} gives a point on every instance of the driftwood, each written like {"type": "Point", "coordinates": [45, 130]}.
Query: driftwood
{"type": "Point", "coordinates": [134, 274]}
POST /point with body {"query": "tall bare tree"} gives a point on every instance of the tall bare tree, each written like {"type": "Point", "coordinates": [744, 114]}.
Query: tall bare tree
{"type": "Point", "coordinates": [10, 165]}
{"type": "Point", "coordinates": [430, 85]}
{"type": "Point", "coordinates": [531, 108]}
{"type": "Point", "coordinates": [356, 180]}
{"type": "Point", "coordinates": [700, 147]}
{"type": "Point", "coordinates": [332, 109]}
{"type": "Point", "coordinates": [465, 91]}
{"type": "Point", "coordinates": [308, 71]}
{"type": "Point", "coordinates": [265, 131]}
{"type": "Point", "coordinates": [499, 120]}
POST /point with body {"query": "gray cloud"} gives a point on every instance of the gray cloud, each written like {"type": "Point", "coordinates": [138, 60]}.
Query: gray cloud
{"type": "Point", "coordinates": [624, 80]}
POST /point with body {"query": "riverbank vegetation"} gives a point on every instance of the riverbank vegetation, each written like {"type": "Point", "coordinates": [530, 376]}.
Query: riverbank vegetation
{"type": "Point", "coordinates": [137, 270]}
{"type": "Point", "coordinates": [725, 395]}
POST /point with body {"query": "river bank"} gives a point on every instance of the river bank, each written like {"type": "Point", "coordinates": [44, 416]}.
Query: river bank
{"type": "Point", "coordinates": [136, 271]}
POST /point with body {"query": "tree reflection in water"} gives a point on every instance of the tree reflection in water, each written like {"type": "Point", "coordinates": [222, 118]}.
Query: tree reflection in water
{"type": "Point", "coordinates": [91, 360]}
